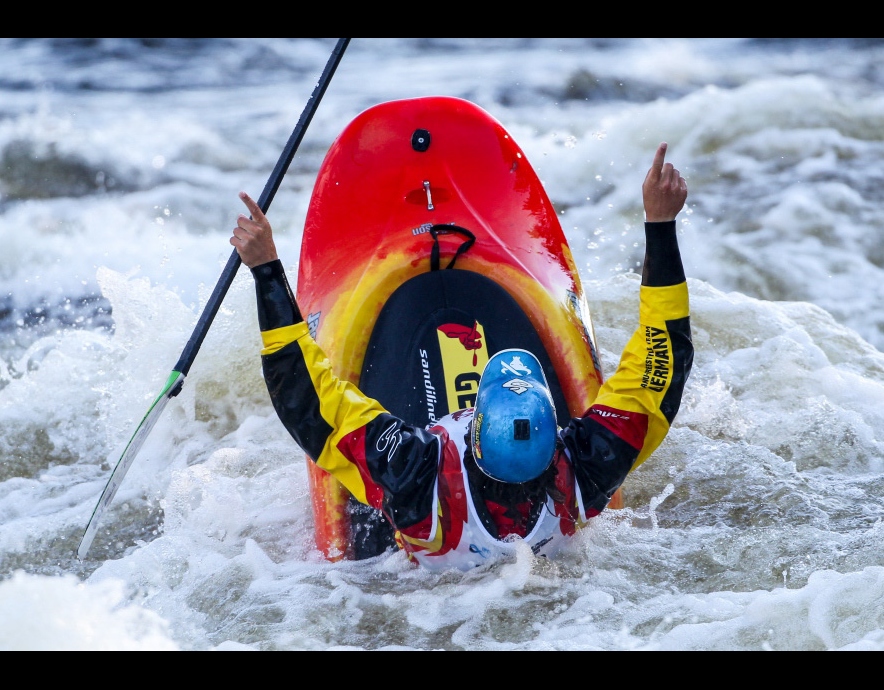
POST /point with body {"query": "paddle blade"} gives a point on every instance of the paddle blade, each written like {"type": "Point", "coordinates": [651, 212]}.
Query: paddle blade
{"type": "Point", "coordinates": [170, 390]}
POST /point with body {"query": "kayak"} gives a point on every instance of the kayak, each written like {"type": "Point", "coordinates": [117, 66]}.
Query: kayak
{"type": "Point", "coordinates": [430, 244]}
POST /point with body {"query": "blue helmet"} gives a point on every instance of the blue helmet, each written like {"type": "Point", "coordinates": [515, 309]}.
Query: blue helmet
{"type": "Point", "coordinates": [513, 437]}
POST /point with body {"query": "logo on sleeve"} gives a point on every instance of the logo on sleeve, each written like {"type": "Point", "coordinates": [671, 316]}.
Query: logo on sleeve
{"type": "Point", "coordinates": [389, 440]}
{"type": "Point", "coordinates": [657, 360]}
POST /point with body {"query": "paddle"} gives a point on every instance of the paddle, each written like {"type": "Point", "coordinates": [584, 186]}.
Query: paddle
{"type": "Point", "coordinates": [176, 379]}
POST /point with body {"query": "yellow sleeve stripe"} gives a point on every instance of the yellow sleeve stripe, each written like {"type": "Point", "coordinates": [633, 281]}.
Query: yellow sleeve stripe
{"type": "Point", "coordinates": [341, 404]}
{"type": "Point", "coordinates": [662, 304]}
{"type": "Point", "coordinates": [346, 409]}
{"type": "Point", "coordinates": [435, 543]}
{"type": "Point", "coordinates": [278, 338]}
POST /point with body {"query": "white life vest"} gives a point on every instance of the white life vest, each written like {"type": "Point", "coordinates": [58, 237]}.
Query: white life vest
{"type": "Point", "coordinates": [476, 545]}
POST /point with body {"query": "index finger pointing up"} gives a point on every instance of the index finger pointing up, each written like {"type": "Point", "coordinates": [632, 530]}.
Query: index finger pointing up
{"type": "Point", "coordinates": [659, 157]}
{"type": "Point", "coordinates": [254, 209]}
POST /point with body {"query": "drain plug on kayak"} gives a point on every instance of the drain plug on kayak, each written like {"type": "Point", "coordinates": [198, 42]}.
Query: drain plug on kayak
{"type": "Point", "coordinates": [420, 140]}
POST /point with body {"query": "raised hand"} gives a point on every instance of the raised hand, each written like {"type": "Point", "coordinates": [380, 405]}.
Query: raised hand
{"type": "Point", "coordinates": [664, 190]}
{"type": "Point", "coordinates": [253, 237]}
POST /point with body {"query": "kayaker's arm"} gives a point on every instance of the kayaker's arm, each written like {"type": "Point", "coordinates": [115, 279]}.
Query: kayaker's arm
{"type": "Point", "coordinates": [382, 461]}
{"type": "Point", "coordinates": [637, 404]}
{"type": "Point", "coordinates": [635, 407]}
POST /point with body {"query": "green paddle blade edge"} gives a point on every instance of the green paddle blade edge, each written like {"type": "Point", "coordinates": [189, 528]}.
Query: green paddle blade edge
{"type": "Point", "coordinates": [170, 390]}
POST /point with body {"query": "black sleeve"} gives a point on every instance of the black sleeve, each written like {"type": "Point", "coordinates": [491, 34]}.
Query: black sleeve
{"type": "Point", "coordinates": [600, 458]}
{"type": "Point", "coordinates": [276, 301]}
{"type": "Point", "coordinates": [662, 265]}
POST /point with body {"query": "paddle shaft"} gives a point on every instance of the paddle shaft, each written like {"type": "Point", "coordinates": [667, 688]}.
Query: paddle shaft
{"type": "Point", "coordinates": [176, 378]}
{"type": "Point", "coordinates": [229, 273]}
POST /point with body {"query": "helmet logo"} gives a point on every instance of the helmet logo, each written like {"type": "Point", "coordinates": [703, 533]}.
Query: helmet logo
{"type": "Point", "coordinates": [517, 386]}
{"type": "Point", "coordinates": [477, 430]}
{"type": "Point", "coordinates": [515, 367]}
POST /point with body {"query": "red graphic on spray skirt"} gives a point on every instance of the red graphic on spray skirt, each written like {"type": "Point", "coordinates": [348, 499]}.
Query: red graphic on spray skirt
{"type": "Point", "coordinates": [469, 336]}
